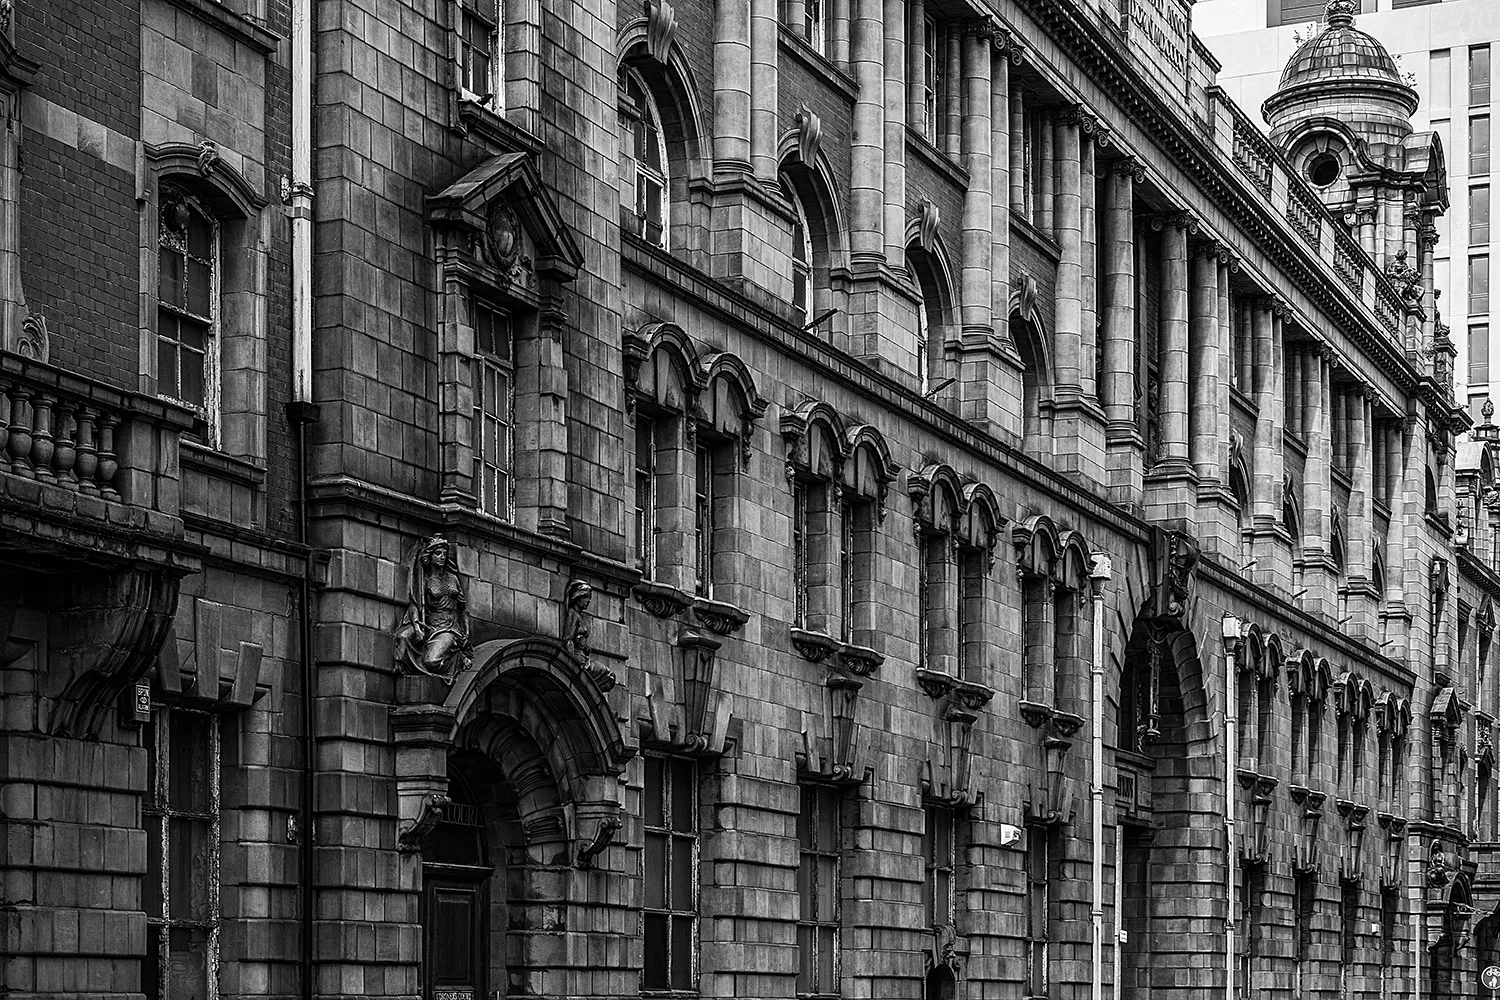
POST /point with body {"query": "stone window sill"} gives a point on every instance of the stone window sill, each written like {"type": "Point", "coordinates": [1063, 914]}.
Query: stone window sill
{"type": "Point", "coordinates": [215, 463]}
{"type": "Point", "coordinates": [812, 646]}
{"type": "Point", "coordinates": [659, 599]}
{"type": "Point", "coordinates": [236, 26]}
{"type": "Point", "coordinates": [476, 119]}
{"type": "Point", "coordinates": [718, 617]}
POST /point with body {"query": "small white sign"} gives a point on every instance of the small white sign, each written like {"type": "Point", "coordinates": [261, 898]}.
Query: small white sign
{"type": "Point", "coordinates": [1490, 978]}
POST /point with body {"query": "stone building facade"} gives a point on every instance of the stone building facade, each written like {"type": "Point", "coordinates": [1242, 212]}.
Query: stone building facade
{"type": "Point", "coordinates": [868, 498]}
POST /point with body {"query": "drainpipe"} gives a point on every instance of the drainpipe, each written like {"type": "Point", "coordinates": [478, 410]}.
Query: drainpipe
{"type": "Point", "coordinates": [1233, 636]}
{"type": "Point", "coordinates": [1101, 574]}
{"type": "Point", "coordinates": [301, 412]}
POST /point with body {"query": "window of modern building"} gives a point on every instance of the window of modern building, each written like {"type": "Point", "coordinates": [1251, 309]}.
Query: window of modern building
{"type": "Point", "coordinates": [1479, 75]}
{"type": "Point", "coordinates": [1479, 285]}
{"type": "Point", "coordinates": [939, 850]}
{"type": "Point", "coordinates": [187, 316]}
{"type": "Point", "coordinates": [1038, 911]}
{"type": "Point", "coordinates": [1479, 355]}
{"type": "Point", "coordinates": [669, 868]}
{"type": "Point", "coordinates": [820, 837]}
{"type": "Point", "coordinates": [650, 160]}
{"type": "Point", "coordinates": [1479, 215]}
{"type": "Point", "coordinates": [1440, 73]}
{"type": "Point", "coordinates": [180, 893]}
{"type": "Point", "coordinates": [1279, 12]}
{"type": "Point", "coordinates": [494, 407]}
{"type": "Point", "coordinates": [478, 44]}
{"type": "Point", "coordinates": [1479, 146]}
{"type": "Point", "coordinates": [1398, 4]}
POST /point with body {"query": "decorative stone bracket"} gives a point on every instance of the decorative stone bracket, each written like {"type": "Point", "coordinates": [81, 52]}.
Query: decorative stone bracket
{"type": "Point", "coordinates": [961, 704]}
{"type": "Point", "coordinates": [839, 764]}
{"type": "Point", "coordinates": [1393, 858]}
{"type": "Point", "coordinates": [702, 710]}
{"type": "Point", "coordinates": [1310, 804]}
{"type": "Point", "coordinates": [421, 737]}
{"type": "Point", "coordinates": [223, 679]}
{"type": "Point", "coordinates": [1255, 806]}
{"type": "Point", "coordinates": [1351, 860]}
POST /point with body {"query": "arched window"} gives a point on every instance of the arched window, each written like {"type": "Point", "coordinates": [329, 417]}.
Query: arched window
{"type": "Point", "coordinates": [1239, 487]}
{"type": "Point", "coordinates": [648, 151]}
{"type": "Point", "coordinates": [802, 252]}
{"type": "Point", "coordinates": [187, 318]}
{"type": "Point", "coordinates": [934, 315]}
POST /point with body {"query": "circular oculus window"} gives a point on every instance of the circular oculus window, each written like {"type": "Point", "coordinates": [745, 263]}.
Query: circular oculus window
{"type": "Point", "coordinates": [1323, 169]}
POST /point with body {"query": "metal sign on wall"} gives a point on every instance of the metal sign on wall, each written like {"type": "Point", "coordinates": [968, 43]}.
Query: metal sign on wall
{"type": "Point", "coordinates": [1160, 35]}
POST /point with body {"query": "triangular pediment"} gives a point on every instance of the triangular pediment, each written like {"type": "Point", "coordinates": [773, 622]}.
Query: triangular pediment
{"type": "Point", "coordinates": [510, 183]}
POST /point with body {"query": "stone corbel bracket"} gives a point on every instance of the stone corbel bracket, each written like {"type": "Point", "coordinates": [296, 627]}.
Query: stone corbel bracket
{"type": "Point", "coordinates": [697, 722]}
{"type": "Point", "coordinates": [113, 631]}
{"type": "Point", "coordinates": [839, 765]}
{"type": "Point", "coordinates": [961, 703]}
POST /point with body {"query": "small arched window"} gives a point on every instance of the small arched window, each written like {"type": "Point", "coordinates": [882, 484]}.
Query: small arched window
{"type": "Point", "coordinates": [802, 252]}
{"type": "Point", "coordinates": [187, 319]}
{"type": "Point", "coordinates": [933, 311]}
{"type": "Point", "coordinates": [650, 155]}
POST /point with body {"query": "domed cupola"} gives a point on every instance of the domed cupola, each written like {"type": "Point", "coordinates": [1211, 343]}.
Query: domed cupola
{"type": "Point", "coordinates": [1341, 100]}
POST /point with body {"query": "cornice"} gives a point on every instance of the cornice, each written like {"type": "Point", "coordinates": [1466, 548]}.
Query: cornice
{"type": "Point", "coordinates": [1101, 61]}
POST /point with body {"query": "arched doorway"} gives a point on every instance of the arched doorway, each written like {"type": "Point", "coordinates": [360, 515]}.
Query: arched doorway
{"type": "Point", "coordinates": [527, 758]}
{"type": "Point", "coordinates": [1162, 838]}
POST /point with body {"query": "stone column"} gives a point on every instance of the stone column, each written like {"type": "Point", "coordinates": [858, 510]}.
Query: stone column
{"type": "Point", "coordinates": [916, 67]}
{"type": "Point", "coordinates": [764, 44]}
{"type": "Point", "coordinates": [1272, 545]}
{"type": "Point", "coordinates": [1317, 483]}
{"type": "Point", "coordinates": [895, 133]}
{"type": "Point", "coordinates": [1117, 382]}
{"type": "Point", "coordinates": [1204, 348]}
{"type": "Point", "coordinates": [1427, 242]}
{"type": "Point", "coordinates": [838, 31]}
{"type": "Point", "coordinates": [1365, 219]}
{"type": "Point", "coordinates": [1067, 227]}
{"type": "Point", "coordinates": [977, 215]}
{"type": "Point", "coordinates": [950, 99]}
{"type": "Point", "coordinates": [1172, 353]}
{"type": "Point", "coordinates": [1362, 601]}
{"type": "Point", "coordinates": [1227, 348]}
{"type": "Point", "coordinates": [1395, 616]}
{"type": "Point", "coordinates": [1089, 238]}
{"type": "Point", "coordinates": [732, 84]}
{"type": "Point", "coordinates": [867, 168]}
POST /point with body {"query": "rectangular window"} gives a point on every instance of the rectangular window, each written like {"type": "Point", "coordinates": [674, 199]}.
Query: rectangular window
{"type": "Point", "coordinates": [1304, 904]}
{"type": "Point", "coordinates": [1279, 12]}
{"type": "Point", "coordinates": [187, 297]}
{"type": "Point", "coordinates": [799, 551]}
{"type": "Point", "coordinates": [938, 849]}
{"type": "Point", "coordinates": [181, 889]}
{"type": "Point", "coordinates": [645, 494]}
{"type": "Point", "coordinates": [820, 838]}
{"type": "Point", "coordinates": [932, 68]}
{"type": "Point", "coordinates": [494, 407]}
{"type": "Point", "coordinates": [1390, 912]}
{"type": "Point", "coordinates": [815, 26]}
{"type": "Point", "coordinates": [1479, 285]}
{"type": "Point", "coordinates": [669, 870]}
{"type": "Point", "coordinates": [973, 570]}
{"type": "Point", "coordinates": [1440, 74]}
{"type": "Point", "coordinates": [1038, 905]}
{"type": "Point", "coordinates": [1348, 936]}
{"type": "Point", "coordinates": [703, 517]}
{"type": "Point", "coordinates": [848, 558]}
{"type": "Point", "coordinates": [1479, 355]}
{"type": "Point", "coordinates": [478, 28]}
{"type": "Point", "coordinates": [1479, 146]}
{"type": "Point", "coordinates": [1479, 75]}
{"type": "Point", "coordinates": [1252, 886]}
{"type": "Point", "coordinates": [1479, 215]}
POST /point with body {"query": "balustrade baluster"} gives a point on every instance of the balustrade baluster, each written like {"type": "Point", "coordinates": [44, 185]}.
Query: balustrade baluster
{"type": "Point", "coordinates": [66, 453]}
{"type": "Point", "coordinates": [42, 447]}
{"type": "Point", "coordinates": [108, 463]}
{"type": "Point", "coordinates": [20, 432]}
{"type": "Point", "coordinates": [88, 459]}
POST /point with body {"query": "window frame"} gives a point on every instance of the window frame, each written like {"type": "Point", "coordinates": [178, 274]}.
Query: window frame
{"type": "Point", "coordinates": [1479, 369]}
{"type": "Point", "coordinates": [1479, 94]}
{"type": "Point", "coordinates": [211, 323]}
{"type": "Point", "coordinates": [158, 805]}
{"type": "Point", "coordinates": [465, 13]}
{"type": "Point", "coordinates": [647, 526]}
{"type": "Point", "coordinates": [673, 769]}
{"type": "Point", "coordinates": [1479, 277]}
{"type": "Point", "coordinates": [647, 124]}
{"type": "Point", "coordinates": [1038, 911]}
{"type": "Point", "coordinates": [940, 868]}
{"type": "Point", "coordinates": [1479, 196]}
{"type": "Point", "coordinates": [1479, 159]}
{"type": "Point", "coordinates": [821, 796]}
{"type": "Point", "coordinates": [485, 364]}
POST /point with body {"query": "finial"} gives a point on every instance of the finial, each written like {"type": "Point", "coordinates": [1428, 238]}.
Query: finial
{"type": "Point", "coordinates": [1340, 13]}
{"type": "Point", "coordinates": [1487, 410]}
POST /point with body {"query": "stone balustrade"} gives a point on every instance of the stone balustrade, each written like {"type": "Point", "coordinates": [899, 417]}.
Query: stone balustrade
{"type": "Point", "coordinates": [63, 431]}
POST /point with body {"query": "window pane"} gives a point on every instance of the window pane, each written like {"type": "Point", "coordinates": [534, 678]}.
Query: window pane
{"type": "Point", "coordinates": [1479, 145]}
{"type": "Point", "coordinates": [1479, 75]}
{"type": "Point", "coordinates": [151, 887]}
{"type": "Point", "coordinates": [655, 870]}
{"type": "Point", "coordinates": [805, 959]}
{"type": "Point", "coordinates": [192, 377]}
{"type": "Point", "coordinates": [827, 950]}
{"type": "Point", "coordinates": [187, 964]}
{"type": "Point", "coordinates": [200, 237]}
{"type": "Point", "coordinates": [1479, 215]}
{"type": "Point", "coordinates": [684, 816]}
{"type": "Point", "coordinates": [828, 818]}
{"type": "Point", "coordinates": [805, 817]}
{"type": "Point", "coordinates": [654, 972]}
{"type": "Point", "coordinates": [682, 874]}
{"type": "Point", "coordinates": [169, 277]}
{"type": "Point", "coordinates": [166, 355]}
{"type": "Point", "coordinates": [827, 888]}
{"type": "Point", "coordinates": [1479, 285]}
{"type": "Point", "coordinates": [188, 786]}
{"type": "Point", "coordinates": [654, 791]}
{"type": "Point", "coordinates": [682, 953]}
{"type": "Point", "coordinates": [190, 859]}
{"type": "Point", "coordinates": [199, 288]}
{"type": "Point", "coordinates": [805, 887]}
{"type": "Point", "coordinates": [1479, 354]}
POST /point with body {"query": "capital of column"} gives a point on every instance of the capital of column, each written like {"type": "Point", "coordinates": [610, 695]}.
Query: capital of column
{"type": "Point", "coordinates": [1363, 215]}
{"type": "Point", "coordinates": [1183, 220]}
{"type": "Point", "coordinates": [1208, 246]}
{"type": "Point", "coordinates": [1411, 218]}
{"type": "Point", "coordinates": [1428, 236]}
{"type": "Point", "coordinates": [1127, 166]}
{"type": "Point", "coordinates": [1011, 46]}
{"type": "Point", "coordinates": [978, 27]}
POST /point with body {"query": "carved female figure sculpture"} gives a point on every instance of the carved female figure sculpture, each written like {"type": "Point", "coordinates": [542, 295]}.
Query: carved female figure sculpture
{"type": "Point", "coordinates": [433, 636]}
{"type": "Point", "coordinates": [575, 631]}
